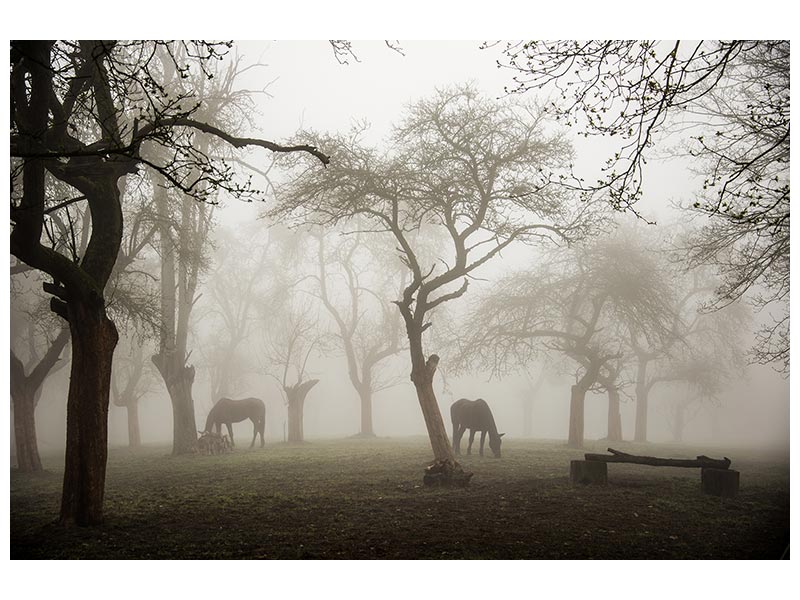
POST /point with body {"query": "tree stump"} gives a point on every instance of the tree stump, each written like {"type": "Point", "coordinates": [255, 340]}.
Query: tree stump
{"type": "Point", "coordinates": [444, 473]}
{"type": "Point", "coordinates": [588, 472]}
{"type": "Point", "coordinates": [719, 482]}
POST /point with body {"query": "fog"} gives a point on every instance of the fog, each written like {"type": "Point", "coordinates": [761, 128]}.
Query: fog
{"type": "Point", "coordinates": [306, 88]}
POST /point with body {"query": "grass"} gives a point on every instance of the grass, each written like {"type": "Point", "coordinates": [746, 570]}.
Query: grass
{"type": "Point", "coordinates": [361, 498]}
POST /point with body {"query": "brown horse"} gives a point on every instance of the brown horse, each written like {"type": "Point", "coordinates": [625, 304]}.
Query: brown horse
{"type": "Point", "coordinates": [233, 411]}
{"type": "Point", "coordinates": [474, 415]}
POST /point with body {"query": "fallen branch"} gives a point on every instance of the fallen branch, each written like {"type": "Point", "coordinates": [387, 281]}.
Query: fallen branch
{"type": "Point", "coordinates": [622, 457]}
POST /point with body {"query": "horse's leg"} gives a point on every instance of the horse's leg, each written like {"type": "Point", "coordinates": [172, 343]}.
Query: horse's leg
{"type": "Point", "coordinates": [230, 432]}
{"type": "Point", "coordinates": [471, 439]}
{"type": "Point", "coordinates": [483, 439]}
{"type": "Point", "coordinates": [262, 423]}
{"type": "Point", "coordinates": [255, 431]}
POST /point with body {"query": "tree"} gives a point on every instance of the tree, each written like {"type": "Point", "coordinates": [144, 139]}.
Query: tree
{"type": "Point", "coordinates": [82, 113]}
{"type": "Point", "coordinates": [292, 339]}
{"type": "Point", "coordinates": [233, 292]}
{"type": "Point", "coordinates": [734, 97]}
{"type": "Point", "coordinates": [367, 341]}
{"type": "Point", "coordinates": [468, 168]}
{"type": "Point", "coordinates": [130, 381]}
{"type": "Point", "coordinates": [26, 388]}
{"type": "Point", "coordinates": [576, 305]}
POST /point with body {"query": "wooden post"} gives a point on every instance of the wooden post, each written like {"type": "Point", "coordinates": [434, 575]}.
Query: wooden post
{"type": "Point", "coordinates": [588, 471]}
{"type": "Point", "coordinates": [719, 482]}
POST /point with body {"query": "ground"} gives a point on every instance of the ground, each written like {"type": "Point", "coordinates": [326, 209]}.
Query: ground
{"type": "Point", "coordinates": [363, 498]}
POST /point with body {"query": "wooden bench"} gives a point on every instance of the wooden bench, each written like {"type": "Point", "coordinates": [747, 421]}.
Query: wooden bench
{"type": "Point", "coordinates": [716, 476]}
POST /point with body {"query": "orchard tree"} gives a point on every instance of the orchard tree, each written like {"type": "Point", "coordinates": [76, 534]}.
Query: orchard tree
{"type": "Point", "coordinates": [84, 113]}
{"type": "Point", "coordinates": [293, 334]}
{"type": "Point", "coordinates": [731, 97]}
{"type": "Point", "coordinates": [368, 327]}
{"type": "Point", "coordinates": [475, 171]}
{"type": "Point", "coordinates": [44, 346]}
{"type": "Point", "coordinates": [577, 304]}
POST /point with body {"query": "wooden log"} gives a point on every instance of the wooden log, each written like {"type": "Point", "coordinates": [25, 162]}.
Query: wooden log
{"type": "Point", "coordinates": [703, 462]}
{"type": "Point", "coordinates": [588, 472]}
{"type": "Point", "coordinates": [719, 482]}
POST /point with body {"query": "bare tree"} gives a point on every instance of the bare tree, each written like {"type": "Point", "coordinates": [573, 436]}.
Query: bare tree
{"type": "Point", "coordinates": [130, 381]}
{"type": "Point", "coordinates": [292, 339]}
{"type": "Point", "coordinates": [44, 348]}
{"type": "Point", "coordinates": [82, 112]}
{"type": "Point", "coordinates": [474, 170]}
{"type": "Point", "coordinates": [574, 305]}
{"type": "Point", "coordinates": [732, 97]}
{"type": "Point", "coordinates": [367, 340]}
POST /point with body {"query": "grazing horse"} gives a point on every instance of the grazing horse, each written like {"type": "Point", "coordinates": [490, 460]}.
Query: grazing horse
{"type": "Point", "coordinates": [474, 415]}
{"type": "Point", "coordinates": [233, 411]}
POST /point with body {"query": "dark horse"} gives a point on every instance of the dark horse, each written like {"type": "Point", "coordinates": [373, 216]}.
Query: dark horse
{"type": "Point", "coordinates": [233, 411]}
{"type": "Point", "coordinates": [474, 415]}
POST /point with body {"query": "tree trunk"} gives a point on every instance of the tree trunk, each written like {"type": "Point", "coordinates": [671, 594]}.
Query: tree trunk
{"type": "Point", "coordinates": [134, 437]}
{"type": "Point", "coordinates": [296, 399]}
{"type": "Point", "coordinates": [179, 378]}
{"type": "Point", "coordinates": [94, 338]}
{"type": "Point", "coordinates": [614, 417]}
{"type": "Point", "coordinates": [28, 459]}
{"type": "Point", "coordinates": [365, 395]}
{"type": "Point", "coordinates": [576, 416]}
{"type": "Point", "coordinates": [640, 431]}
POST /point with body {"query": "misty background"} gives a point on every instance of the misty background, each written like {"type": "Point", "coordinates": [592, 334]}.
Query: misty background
{"type": "Point", "coordinates": [301, 85]}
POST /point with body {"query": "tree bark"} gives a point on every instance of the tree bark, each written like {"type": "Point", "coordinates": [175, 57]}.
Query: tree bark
{"type": "Point", "coordinates": [179, 378]}
{"type": "Point", "coordinates": [576, 416]}
{"type": "Point", "coordinates": [28, 459]}
{"type": "Point", "coordinates": [296, 398]}
{"type": "Point", "coordinates": [365, 396]}
{"type": "Point", "coordinates": [94, 338]}
{"type": "Point", "coordinates": [640, 430]}
{"type": "Point", "coordinates": [134, 435]}
{"type": "Point", "coordinates": [614, 417]}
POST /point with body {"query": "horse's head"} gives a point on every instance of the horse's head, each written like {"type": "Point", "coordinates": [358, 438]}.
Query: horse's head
{"type": "Point", "coordinates": [494, 444]}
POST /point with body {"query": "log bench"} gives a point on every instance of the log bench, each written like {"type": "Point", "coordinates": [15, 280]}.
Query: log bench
{"type": "Point", "coordinates": [716, 476]}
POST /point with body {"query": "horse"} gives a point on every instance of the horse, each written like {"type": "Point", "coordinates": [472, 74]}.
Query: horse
{"type": "Point", "coordinates": [233, 411]}
{"type": "Point", "coordinates": [474, 415]}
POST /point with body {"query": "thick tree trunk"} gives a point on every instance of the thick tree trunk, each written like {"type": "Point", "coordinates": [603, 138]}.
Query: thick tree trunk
{"type": "Point", "coordinates": [24, 398]}
{"type": "Point", "coordinates": [179, 377]}
{"type": "Point", "coordinates": [94, 338]}
{"type": "Point", "coordinates": [134, 436]}
{"type": "Point", "coordinates": [576, 416]}
{"type": "Point", "coordinates": [614, 417]}
{"type": "Point", "coordinates": [296, 399]}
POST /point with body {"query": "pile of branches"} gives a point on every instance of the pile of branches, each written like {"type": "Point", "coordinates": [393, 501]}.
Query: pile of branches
{"type": "Point", "coordinates": [213, 443]}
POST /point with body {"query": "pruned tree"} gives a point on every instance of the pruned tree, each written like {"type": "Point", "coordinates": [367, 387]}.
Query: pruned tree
{"type": "Point", "coordinates": [83, 113]}
{"type": "Point", "coordinates": [731, 97]}
{"type": "Point", "coordinates": [367, 338]}
{"type": "Point", "coordinates": [471, 169]}
{"type": "Point", "coordinates": [291, 339]}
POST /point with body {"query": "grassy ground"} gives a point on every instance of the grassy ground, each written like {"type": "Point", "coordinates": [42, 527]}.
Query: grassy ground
{"type": "Point", "coordinates": [364, 499]}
